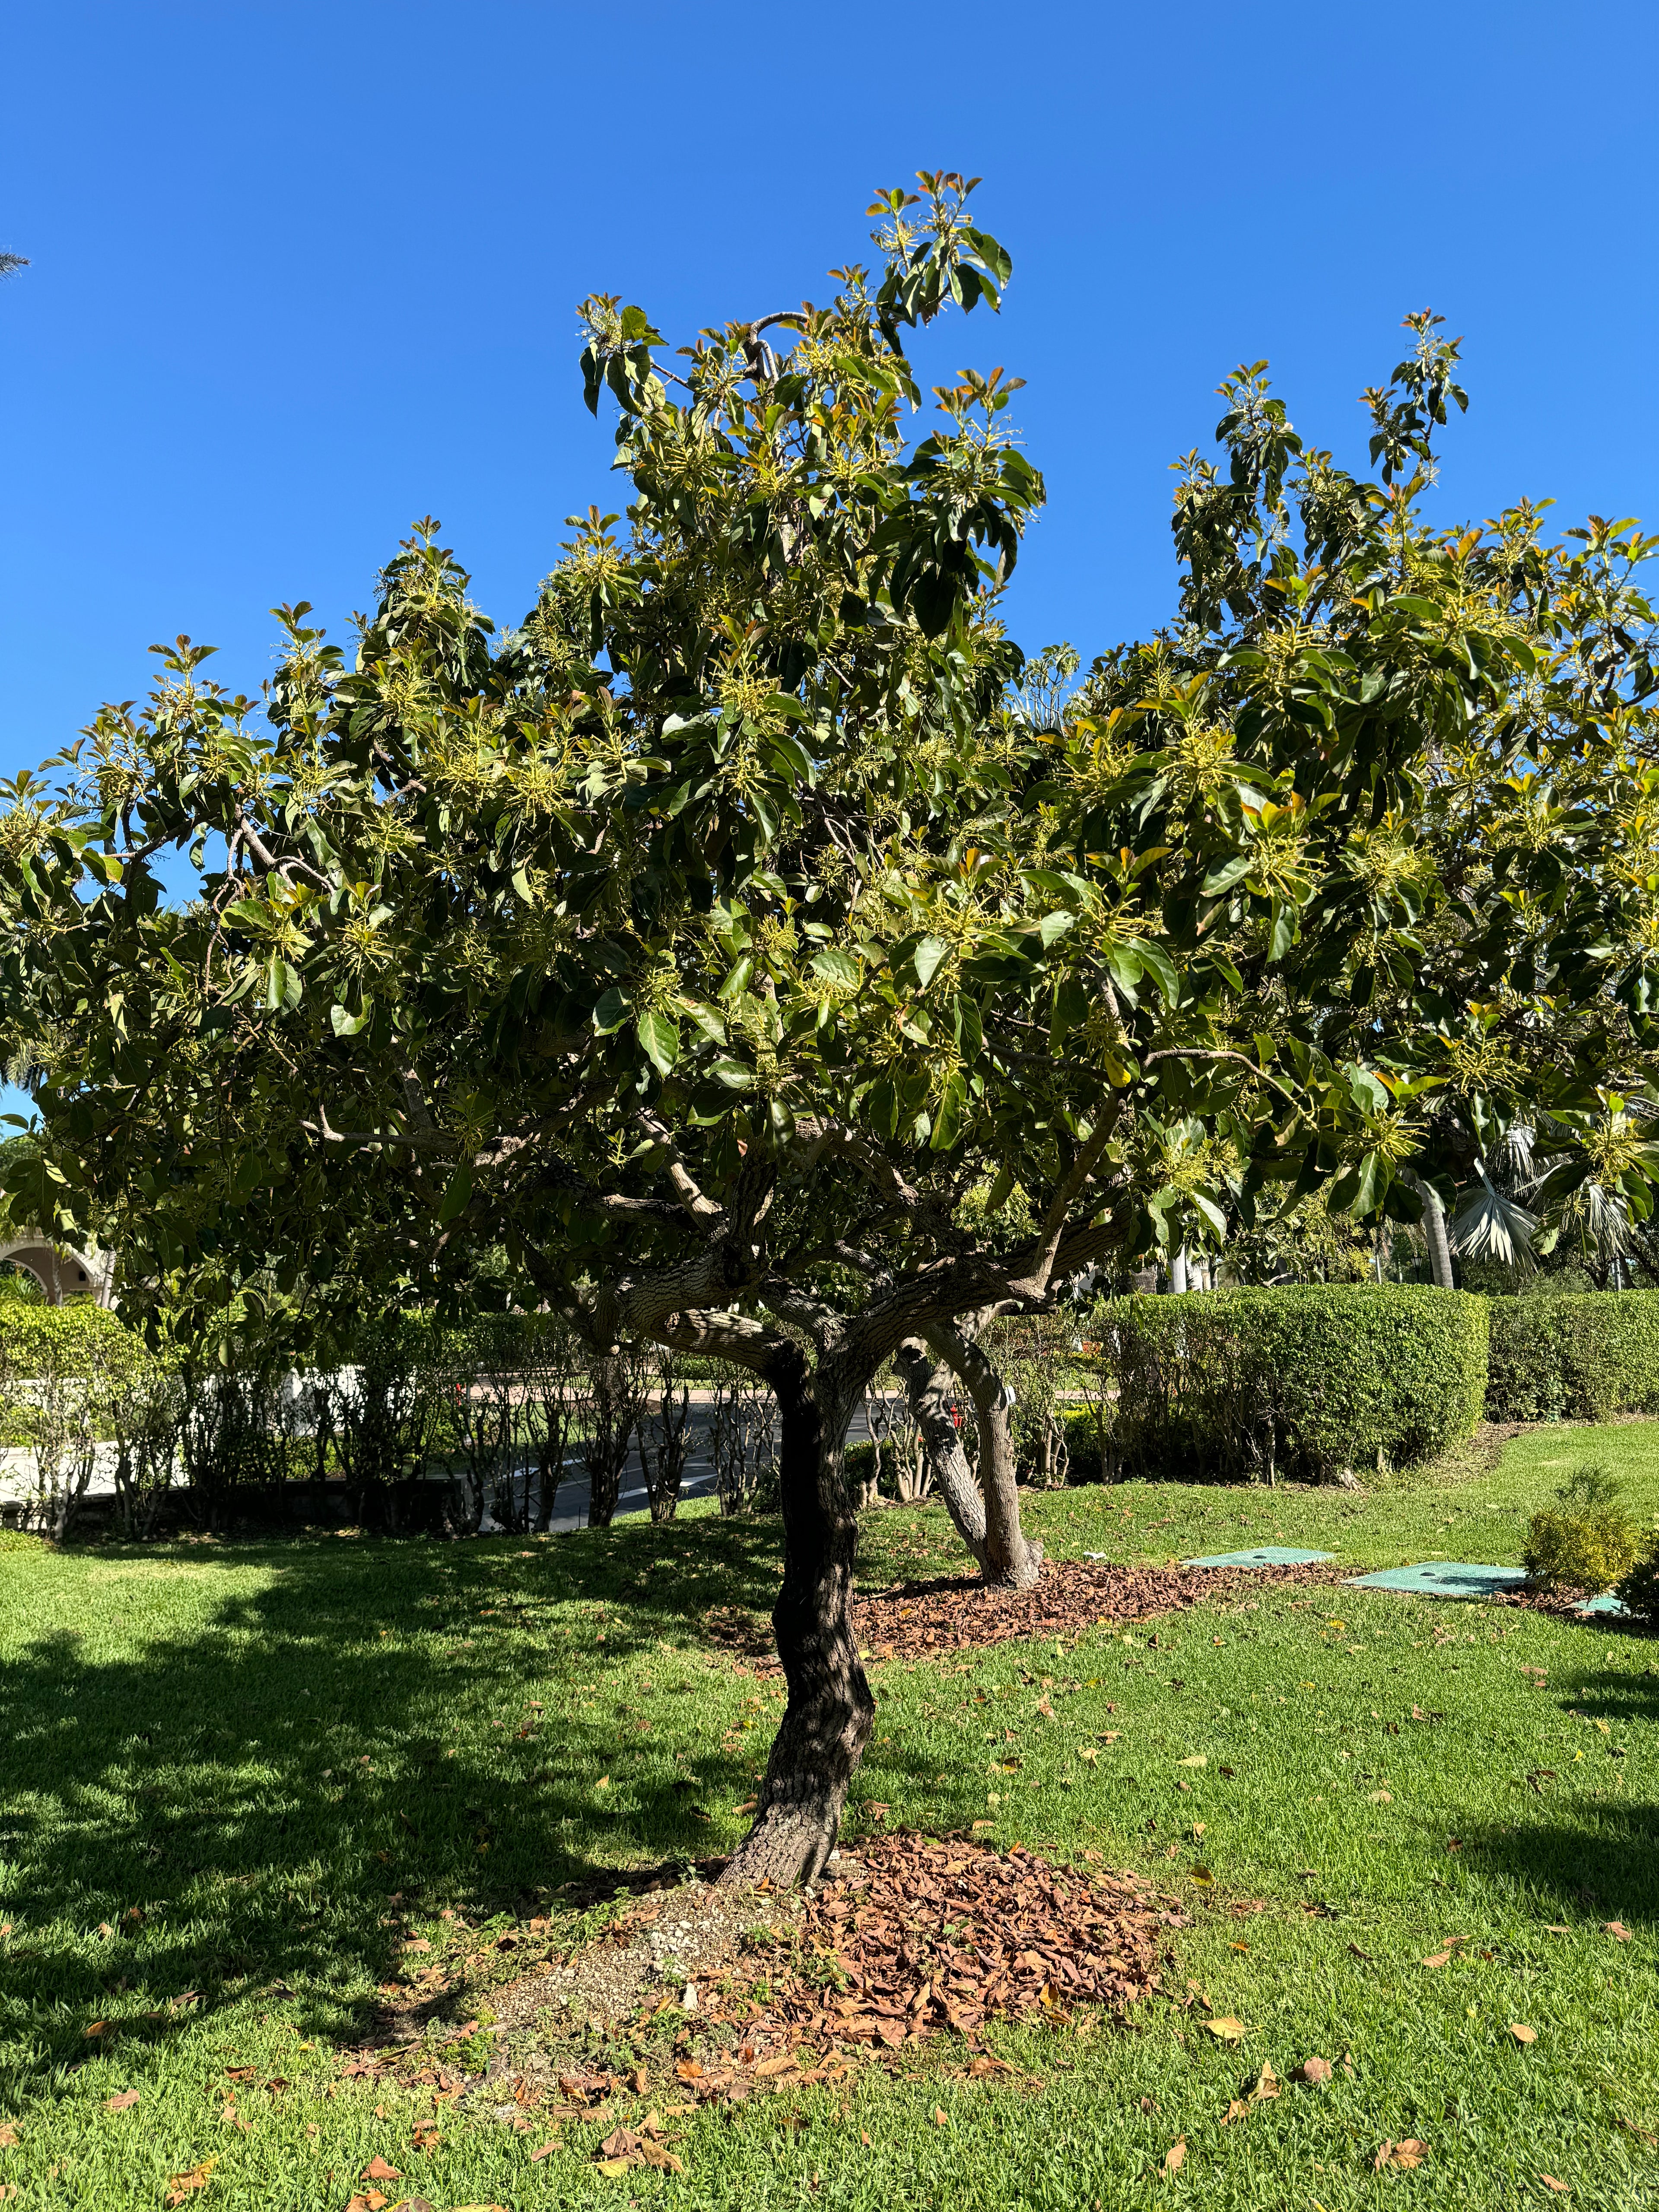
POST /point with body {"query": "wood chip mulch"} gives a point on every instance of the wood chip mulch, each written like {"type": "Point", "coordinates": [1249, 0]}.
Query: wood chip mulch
{"type": "Point", "coordinates": [913, 1621]}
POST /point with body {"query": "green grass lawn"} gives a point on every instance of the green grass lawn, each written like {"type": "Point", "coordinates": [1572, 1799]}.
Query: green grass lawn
{"type": "Point", "coordinates": [235, 1777]}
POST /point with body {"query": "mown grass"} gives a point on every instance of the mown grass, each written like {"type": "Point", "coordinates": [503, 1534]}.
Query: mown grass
{"type": "Point", "coordinates": [234, 1778]}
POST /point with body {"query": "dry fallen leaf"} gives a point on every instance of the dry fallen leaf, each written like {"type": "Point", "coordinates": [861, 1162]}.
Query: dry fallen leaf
{"type": "Point", "coordinates": [119, 2103]}
{"type": "Point", "coordinates": [941, 2118]}
{"type": "Point", "coordinates": [1617, 1930]}
{"type": "Point", "coordinates": [1382, 1797]}
{"type": "Point", "coordinates": [180, 2185]}
{"type": "Point", "coordinates": [1405, 2154]}
{"type": "Point", "coordinates": [1522, 2033]}
{"type": "Point", "coordinates": [1549, 2181]}
{"type": "Point", "coordinates": [1226, 2028]}
{"type": "Point", "coordinates": [1197, 1759]}
{"type": "Point", "coordinates": [614, 2168]}
{"type": "Point", "coordinates": [1313, 2071]}
{"type": "Point", "coordinates": [378, 2170]}
{"type": "Point", "coordinates": [1174, 2155]}
{"type": "Point", "coordinates": [1266, 2085]}
{"type": "Point", "coordinates": [8, 2136]}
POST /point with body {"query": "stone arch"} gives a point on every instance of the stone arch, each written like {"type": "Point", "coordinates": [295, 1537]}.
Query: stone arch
{"type": "Point", "coordinates": [61, 1270]}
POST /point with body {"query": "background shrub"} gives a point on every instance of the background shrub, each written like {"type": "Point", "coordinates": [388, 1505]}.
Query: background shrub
{"type": "Point", "coordinates": [1308, 1383]}
{"type": "Point", "coordinates": [1580, 1358]}
{"type": "Point", "coordinates": [1639, 1588]}
{"type": "Point", "coordinates": [1587, 1540]}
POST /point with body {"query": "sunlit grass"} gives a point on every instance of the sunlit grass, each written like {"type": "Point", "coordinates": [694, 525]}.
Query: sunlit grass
{"type": "Point", "coordinates": [232, 1777]}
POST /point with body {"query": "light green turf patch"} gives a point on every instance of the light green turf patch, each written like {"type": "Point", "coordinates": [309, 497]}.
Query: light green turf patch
{"type": "Point", "coordinates": [234, 1778]}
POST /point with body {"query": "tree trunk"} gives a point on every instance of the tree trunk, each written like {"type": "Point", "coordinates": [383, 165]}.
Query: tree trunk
{"type": "Point", "coordinates": [613, 1409]}
{"type": "Point", "coordinates": [1178, 1274]}
{"type": "Point", "coordinates": [928, 1388]}
{"type": "Point", "coordinates": [830, 1710]}
{"type": "Point", "coordinates": [1434, 1230]}
{"type": "Point", "coordinates": [1010, 1562]}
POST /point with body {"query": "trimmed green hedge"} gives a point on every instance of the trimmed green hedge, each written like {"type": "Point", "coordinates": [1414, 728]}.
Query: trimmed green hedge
{"type": "Point", "coordinates": [1310, 1383]}
{"type": "Point", "coordinates": [1577, 1359]}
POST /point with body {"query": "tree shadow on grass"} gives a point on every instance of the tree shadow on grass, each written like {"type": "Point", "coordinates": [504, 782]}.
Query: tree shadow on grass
{"type": "Point", "coordinates": [257, 1801]}
{"type": "Point", "coordinates": [1601, 1862]}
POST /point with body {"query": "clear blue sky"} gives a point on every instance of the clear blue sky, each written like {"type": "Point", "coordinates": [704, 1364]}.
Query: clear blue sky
{"type": "Point", "coordinates": [302, 273]}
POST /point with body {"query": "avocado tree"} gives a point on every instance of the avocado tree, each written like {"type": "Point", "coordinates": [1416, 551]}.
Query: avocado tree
{"type": "Point", "coordinates": [745, 950]}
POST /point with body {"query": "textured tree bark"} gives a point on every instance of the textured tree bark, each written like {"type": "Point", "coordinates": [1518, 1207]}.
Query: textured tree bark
{"type": "Point", "coordinates": [615, 1409]}
{"type": "Point", "coordinates": [927, 1384]}
{"type": "Point", "coordinates": [830, 1710]}
{"type": "Point", "coordinates": [1009, 1563]}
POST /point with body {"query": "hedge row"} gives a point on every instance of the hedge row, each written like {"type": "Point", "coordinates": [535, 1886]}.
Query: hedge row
{"type": "Point", "coordinates": [1579, 1358]}
{"type": "Point", "coordinates": [1311, 1383]}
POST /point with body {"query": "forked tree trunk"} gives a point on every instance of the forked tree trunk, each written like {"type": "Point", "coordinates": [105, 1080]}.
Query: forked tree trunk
{"type": "Point", "coordinates": [1010, 1562]}
{"type": "Point", "coordinates": [928, 1386]}
{"type": "Point", "coordinates": [830, 1710]}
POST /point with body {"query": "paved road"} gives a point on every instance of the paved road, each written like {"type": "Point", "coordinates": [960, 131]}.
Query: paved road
{"type": "Point", "coordinates": [570, 1507]}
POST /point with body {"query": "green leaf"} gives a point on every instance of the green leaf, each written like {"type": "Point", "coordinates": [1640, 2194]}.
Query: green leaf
{"type": "Point", "coordinates": [457, 1194]}
{"type": "Point", "coordinates": [947, 1121]}
{"type": "Point", "coordinates": [1161, 968]}
{"type": "Point", "coordinates": [661, 1037]}
{"type": "Point", "coordinates": [926, 959]}
{"type": "Point", "coordinates": [611, 1011]}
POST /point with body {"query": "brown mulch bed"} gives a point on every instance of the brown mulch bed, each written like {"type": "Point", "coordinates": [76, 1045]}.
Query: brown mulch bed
{"type": "Point", "coordinates": [1072, 1598]}
{"type": "Point", "coordinates": [913, 1933]}
{"type": "Point", "coordinates": [910, 1937]}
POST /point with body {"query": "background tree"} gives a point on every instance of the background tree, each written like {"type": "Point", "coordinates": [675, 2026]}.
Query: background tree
{"type": "Point", "coordinates": [741, 951]}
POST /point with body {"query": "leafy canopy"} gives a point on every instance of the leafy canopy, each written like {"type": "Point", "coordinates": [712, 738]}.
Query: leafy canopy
{"type": "Point", "coordinates": [754, 928]}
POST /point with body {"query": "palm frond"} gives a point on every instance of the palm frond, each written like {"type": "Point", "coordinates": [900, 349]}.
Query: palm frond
{"type": "Point", "coordinates": [1491, 1226]}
